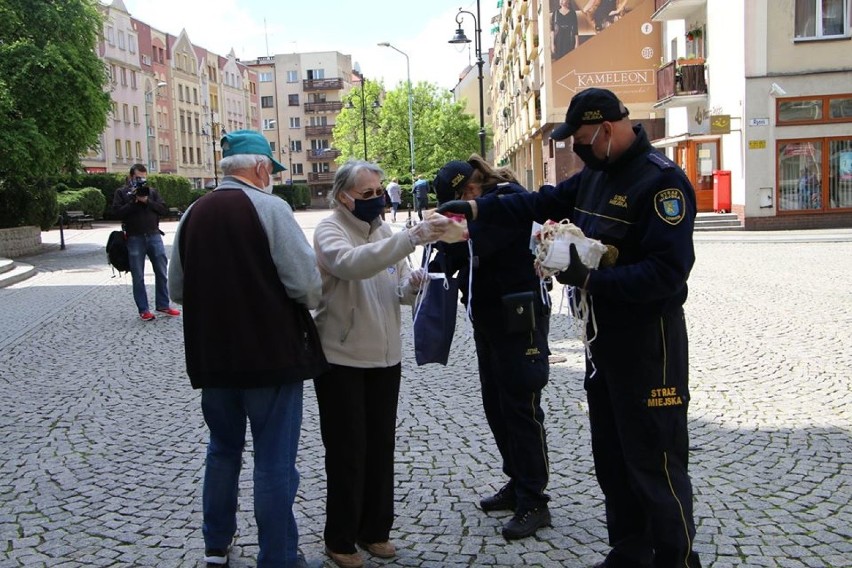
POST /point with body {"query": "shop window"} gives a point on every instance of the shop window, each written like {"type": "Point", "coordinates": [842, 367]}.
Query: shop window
{"type": "Point", "coordinates": [814, 109]}
{"type": "Point", "coordinates": [814, 174]}
{"type": "Point", "coordinates": [840, 173]}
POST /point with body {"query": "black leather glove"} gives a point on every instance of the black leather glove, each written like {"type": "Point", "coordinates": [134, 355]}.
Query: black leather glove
{"type": "Point", "coordinates": [576, 274]}
{"type": "Point", "coordinates": [457, 206]}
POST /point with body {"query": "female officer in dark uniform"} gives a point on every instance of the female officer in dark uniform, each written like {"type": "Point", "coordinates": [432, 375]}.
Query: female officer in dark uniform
{"type": "Point", "coordinates": [510, 327]}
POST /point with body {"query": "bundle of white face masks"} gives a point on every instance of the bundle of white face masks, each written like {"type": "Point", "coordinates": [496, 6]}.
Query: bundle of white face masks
{"type": "Point", "coordinates": [552, 251]}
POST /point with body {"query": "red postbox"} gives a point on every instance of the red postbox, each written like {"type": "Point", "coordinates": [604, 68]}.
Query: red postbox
{"type": "Point", "coordinates": [722, 191]}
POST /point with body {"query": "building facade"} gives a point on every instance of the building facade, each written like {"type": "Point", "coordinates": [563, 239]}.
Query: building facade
{"type": "Point", "coordinates": [172, 101]}
{"type": "Point", "coordinates": [301, 95]}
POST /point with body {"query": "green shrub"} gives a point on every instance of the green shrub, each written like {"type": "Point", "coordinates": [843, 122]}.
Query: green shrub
{"type": "Point", "coordinates": [89, 200]}
{"type": "Point", "coordinates": [27, 202]}
{"type": "Point", "coordinates": [297, 195]}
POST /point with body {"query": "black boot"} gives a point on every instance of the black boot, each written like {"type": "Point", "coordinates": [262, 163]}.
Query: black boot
{"type": "Point", "coordinates": [525, 523]}
{"type": "Point", "coordinates": [503, 500]}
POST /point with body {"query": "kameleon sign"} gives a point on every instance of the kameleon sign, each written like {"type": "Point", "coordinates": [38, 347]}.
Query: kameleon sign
{"type": "Point", "coordinates": [577, 81]}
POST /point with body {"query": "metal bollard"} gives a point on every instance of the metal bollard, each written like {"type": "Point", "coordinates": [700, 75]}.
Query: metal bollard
{"type": "Point", "coordinates": [61, 233]}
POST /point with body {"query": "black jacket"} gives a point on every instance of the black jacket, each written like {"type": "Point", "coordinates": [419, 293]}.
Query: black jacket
{"type": "Point", "coordinates": [643, 205]}
{"type": "Point", "coordinates": [138, 218]}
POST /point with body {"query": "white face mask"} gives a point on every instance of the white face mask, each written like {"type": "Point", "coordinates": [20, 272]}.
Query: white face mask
{"type": "Point", "coordinates": [268, 187]}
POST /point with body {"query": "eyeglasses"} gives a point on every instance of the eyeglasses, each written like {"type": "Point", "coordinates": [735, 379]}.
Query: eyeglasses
{"type": "Point", "coordinates": [370, 193]}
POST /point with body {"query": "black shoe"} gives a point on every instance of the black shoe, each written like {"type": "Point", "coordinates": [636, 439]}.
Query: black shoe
{"type": "Point", "coordinates": [503, 500]}
{"type": "Point", "coordinates": [525, 523]}
{"type": "Point", "coordinates": [216, 557]}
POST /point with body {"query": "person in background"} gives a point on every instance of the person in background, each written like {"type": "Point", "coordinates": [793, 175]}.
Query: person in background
{"type": "Point", "coordinates": [140, 207]}
{"type": "Point", "coordinates": [512, 354]}
{"type": "Point", "coordinates": [421, 195]}
{"type": "Point", "coordinates": [247, 276]}
{"type": "Point", "coordinates": [395, 194]}
{"type": "Point", "coordinates": [566, 32]}
{"type": "Point", "coordinates": [365, 278]}
{"type": "Point", "coordinates": [633, 198]}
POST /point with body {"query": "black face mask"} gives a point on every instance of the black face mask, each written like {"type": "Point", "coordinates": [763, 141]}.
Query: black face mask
{"type": "Point", "coordinates": [585, 152]}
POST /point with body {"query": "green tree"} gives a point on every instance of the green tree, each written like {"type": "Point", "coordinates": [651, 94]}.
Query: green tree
{"type": "Point", "coordinates": [53, 103]}
{"type": "Point", "coordinates": [442, 131]}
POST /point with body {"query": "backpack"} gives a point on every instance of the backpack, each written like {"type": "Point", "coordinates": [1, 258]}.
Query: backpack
{"type": "Point", "coordinates": [116, 249]}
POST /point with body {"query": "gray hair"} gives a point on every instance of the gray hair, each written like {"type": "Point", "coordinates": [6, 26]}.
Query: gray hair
{"type": "Point", "coordinates": [239, 162]}
{"type": "Point", "coordinates": [346, 175]}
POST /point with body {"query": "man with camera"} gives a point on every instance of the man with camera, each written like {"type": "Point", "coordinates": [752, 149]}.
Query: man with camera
{"type": "Point", "coordinates": [140, 207]}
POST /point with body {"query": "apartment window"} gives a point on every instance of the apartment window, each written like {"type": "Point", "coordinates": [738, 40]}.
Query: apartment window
{"type": "Point", "coordinates": [264, 77]}
{"type": "Point", "coordinates": [132, 79]}
{"type": "Point", "coordinates": [121, 44]}
{"type": "Point", "coordinates": [272, 146]}
{"type": "Point", "coordinates": [266, 102]}
{"type": "Point", "coordinates": [821, 18]}
{"type": "Point", "coordinates": [124, 76]}
{"type": "Point", "coordinates": [162, 55]}
{"type": "Point", "coordinates": [814, 174]}
{"type": "Point", "coordinates": [198, 155]}
{"type": "Point", "coordinates": [319, 144]}
{"type": "Point", "coordinates": [295, 145]}
{"type": "Point", "coordinates": [125, 112]}
{"type": "Point", "coordinates": [297, 170]}
{"type": "Point", "coordinates": [197, 124]}
{"type": "Point", "coordinates": [295, 122]}
{"type": "Point", "coordinates": [182, 122]}
{"type": "Point", "coordinates": [113, 73]}
{"type": "Point", "coordinates": [195, 95]}
{"type": "Point", "coordinates": [110, 35]}
{"type": "Point", "coordinates": [115, 111]}
{"type": "Point", "coordinates": [316, 74]}
{"type": "Point", "coordinates": [135, 114]}
{"type": "Point", "coordinates": [128, 147]}
{"type": "Point", "coordinates": [118, 148]}
{"type": "Point", "coordinates": [269, 123]}
{"type": "Point", "coordinates": [293, 100]}
{"type": "Point", "coordinates": [166, 153]}
{"type": "Point", "coordinates": [189, 124]}
{"type": "Point", "coordinates": [292, 76]}
{"type": "Point", "coordinates": [146, 59]}
{"type": "Point", "coordinates": [131, 43]}
{"type": "Point", "coordinates": [139, 151]}
{"type": "Point", "coordinates": [184, 154]}
{"type": "Point", "coordinates": [319, 121]}
{"type": "Point", "coordinates": [180, 93]}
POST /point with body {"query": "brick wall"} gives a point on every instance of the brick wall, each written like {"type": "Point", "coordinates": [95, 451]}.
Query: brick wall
{"type": "Point", "coordinates": [782, 222]}
{"type": "Point", "coordinates": [20, 241]}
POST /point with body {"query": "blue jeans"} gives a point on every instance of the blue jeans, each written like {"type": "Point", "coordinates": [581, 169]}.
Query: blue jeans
{"type": "Point", "coordinates": [275, 415]}
{"type": "Point", "coordinates": [138, 247]}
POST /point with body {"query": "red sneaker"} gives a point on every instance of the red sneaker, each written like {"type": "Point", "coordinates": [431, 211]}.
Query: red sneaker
{"type": "Point", "coordinates": [169, 311]}
{"type": "Point", "coordinates": [146, 316]}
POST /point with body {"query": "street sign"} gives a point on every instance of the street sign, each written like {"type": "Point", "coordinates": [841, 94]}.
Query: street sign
{"type": "Point", "coordinates": [756, 144]}
{"type": "Point", "coordinates": [758, 122]}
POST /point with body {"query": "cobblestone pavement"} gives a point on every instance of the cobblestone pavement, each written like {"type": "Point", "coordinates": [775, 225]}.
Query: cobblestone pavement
{"type": "Point", "coordinates": [102, 439]}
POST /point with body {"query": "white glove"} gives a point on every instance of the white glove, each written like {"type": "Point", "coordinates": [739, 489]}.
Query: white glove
{"type": "Point", "coordinates": [429, 230]}
{"type": "Point", "coordinates": [417, 277]}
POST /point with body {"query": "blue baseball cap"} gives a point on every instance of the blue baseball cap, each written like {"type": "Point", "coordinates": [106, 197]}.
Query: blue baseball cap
{"type": "Point", "coordinates": [451, 179]}
{"type": "Point", "coordinates": [248, 142]}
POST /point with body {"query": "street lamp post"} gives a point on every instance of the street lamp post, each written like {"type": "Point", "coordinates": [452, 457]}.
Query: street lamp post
{"type": "Point", "coordinates": [213, 135]}
{"type": "Point", "coordinates": [460, 37]}
{"type": "Point", "coordinates": [410, 116]}
{"type": "Point", "coordinates": [148, 136]}
{"type": "Point", "coordinates": [357, 71]}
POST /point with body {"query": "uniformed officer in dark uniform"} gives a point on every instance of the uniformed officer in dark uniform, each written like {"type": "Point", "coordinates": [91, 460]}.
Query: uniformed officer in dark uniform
{"type": "Point", "coordinates": [510, 326]}
{"type": "Point", "coordinates": [635, 199]}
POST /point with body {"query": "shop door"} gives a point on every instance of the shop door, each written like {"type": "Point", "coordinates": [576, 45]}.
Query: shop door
{"type": "Point", "coordinates": [699, 160]}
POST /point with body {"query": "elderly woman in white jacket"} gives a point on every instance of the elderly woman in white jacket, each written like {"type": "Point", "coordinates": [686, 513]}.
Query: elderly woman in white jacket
{"type": "Point", "coordinates": [365, 278]}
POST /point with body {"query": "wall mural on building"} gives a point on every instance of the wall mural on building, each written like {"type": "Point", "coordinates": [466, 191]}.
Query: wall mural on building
{"type": "Point", "coordinates": [610, 44]}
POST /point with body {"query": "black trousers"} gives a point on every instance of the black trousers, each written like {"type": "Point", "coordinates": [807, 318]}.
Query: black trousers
{"type": "Point", "coordinates": [357, 410]}
{"type": "Point", "coordinates": [638, 401]}
{"type": "Point", "coordinates": [513, 370]}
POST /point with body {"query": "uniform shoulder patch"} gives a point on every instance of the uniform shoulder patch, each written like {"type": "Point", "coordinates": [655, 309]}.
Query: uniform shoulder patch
{"type": "Point", "coordinates": [660, 161]}
{"type": "Point", "coordinates": [670, 205]}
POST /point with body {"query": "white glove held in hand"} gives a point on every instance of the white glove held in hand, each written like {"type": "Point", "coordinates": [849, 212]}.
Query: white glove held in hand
{"type": "Point", "coordinates": [416, 278]}
{"type": "Point", "coordinates": [429, 230]}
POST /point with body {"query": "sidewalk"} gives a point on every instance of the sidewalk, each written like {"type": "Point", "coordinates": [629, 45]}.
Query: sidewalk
{"type": "Point", "coordinates": [102, 441]}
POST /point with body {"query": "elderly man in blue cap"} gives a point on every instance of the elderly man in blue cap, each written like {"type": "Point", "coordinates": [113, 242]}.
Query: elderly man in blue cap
{"type": "Point", "coordinates": [247, 276]}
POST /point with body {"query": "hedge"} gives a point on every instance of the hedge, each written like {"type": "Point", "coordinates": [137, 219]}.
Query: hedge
{"type": "Point", "coordinates": [297, 195]}
{"type": "Point", "coordinates": [27, 202]}
{"type": "Point", "coordinates": [89, 200]}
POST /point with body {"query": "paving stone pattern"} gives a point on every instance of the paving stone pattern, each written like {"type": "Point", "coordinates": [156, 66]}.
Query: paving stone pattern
{"type": "Point", "coordinates": [102, 440]}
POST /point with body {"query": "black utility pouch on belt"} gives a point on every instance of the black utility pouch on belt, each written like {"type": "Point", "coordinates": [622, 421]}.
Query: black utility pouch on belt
{"type": "Point", "coordinates": [519, 312]}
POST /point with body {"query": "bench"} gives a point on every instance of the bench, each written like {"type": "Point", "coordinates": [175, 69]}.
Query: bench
{"type": "Point", "coordinates": [79, 218]}
{"type": "Point", "coordinates": [174, 213]}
